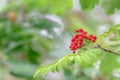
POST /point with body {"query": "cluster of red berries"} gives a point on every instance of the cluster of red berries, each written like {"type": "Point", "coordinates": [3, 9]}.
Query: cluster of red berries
{"type": "Point", "coordinates": [77, 40]}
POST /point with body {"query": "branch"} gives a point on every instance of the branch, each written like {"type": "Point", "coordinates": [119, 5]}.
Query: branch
{"type": "Point", "coordinates": [98, 46]}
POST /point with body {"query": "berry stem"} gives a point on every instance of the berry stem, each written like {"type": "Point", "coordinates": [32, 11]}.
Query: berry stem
{"type": "Point", "coordinates": [98, 46]}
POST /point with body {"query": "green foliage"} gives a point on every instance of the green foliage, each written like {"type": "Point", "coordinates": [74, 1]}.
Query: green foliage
{"type": "Point", "coordinates": [106, 4]}
{"type": "Point", "coordinates": [88, 5]}
{"type": "Point", "coordinates": [52, 6]}
{"type": "Point", "coordinates": [25, 47]}
{"type": "Point", "coordinates": [103, 37]}
{"type": "Point", "coordinates": [86, 56]}
{"type": "Point", "coordinates": [79, 24]}
{"type": "Point", "coordinates": [114, 38]}
{"type": "Point", "coordinates": [113, 65]}
{"type": "Point", "coordinates": [44, 6]}
{"type": "Point", "coordinates": [82, 56]}
{"type": "Point", "coordinates": [59, 6]}
{"type": "Point", "coordinates": [115, 41]}
{"type": "Point", "coordinates": [45, 24]}
{"type": "Point", "coordinates": [112, 29]}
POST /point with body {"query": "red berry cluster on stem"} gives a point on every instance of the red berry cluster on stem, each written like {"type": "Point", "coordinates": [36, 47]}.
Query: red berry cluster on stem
{"type": "Point", "coordinates": [77, 40]}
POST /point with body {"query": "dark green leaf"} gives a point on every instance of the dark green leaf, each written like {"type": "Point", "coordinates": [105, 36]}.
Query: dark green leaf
{"type": "Point", "coordinates": [88, 5]}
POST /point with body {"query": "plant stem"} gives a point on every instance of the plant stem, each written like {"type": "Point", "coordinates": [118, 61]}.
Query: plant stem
{"type": "Point", "coordinates": [98, 46]}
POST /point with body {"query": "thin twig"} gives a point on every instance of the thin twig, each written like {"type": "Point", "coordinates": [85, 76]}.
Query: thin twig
{"type": "Point", "coordinates": [98, 46]}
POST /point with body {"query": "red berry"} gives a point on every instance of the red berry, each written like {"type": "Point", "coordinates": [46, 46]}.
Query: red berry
{"type": "Point", "coordinates": [79, 46]}
{"type": "Point", "coordinates": [77, 35]}
{"type": "Point", "coordinates": [80, 42]}
{"type": "Point", "coordinates": [73, 39]}
{"type": "Point", "coordinates": [85, 32]}
{"type": "Point", "coordinates": [77, 30]}
{"type": "Point", "coordinates": [91, 35]}
{"type": "Point", "coordinates": [81, 30]}
{"type": "Point", "coordinates": [94, 40]}
{"type": "Point", "coordinates": [70, 46]}
{"type": "Point", "coordinates": [75, 43]}
{"type": "Point", "coordinates": [77, 40]}
{"type": "Point", "coordinates": [82, 35]}
{"type": "Point", "coordinates": [94, 37]}
{"type": "Point", "coordinates": [89, 38]}
{"type": "Point", "coordinates": [80, 39]}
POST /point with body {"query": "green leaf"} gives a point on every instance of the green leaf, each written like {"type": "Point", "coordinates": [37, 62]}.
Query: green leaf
{"type": "Point", "coordinates": [88, 5]}
{"type": "Point", "coordinates": [65, 61]}
{"type": "Point", "coordinates": [103, 36]}
{"type": "Point", "coordinates": [43, 72]}
{"type": "Point", "coordinates": [21, 69]}
{"type": "Point", "coordinates": [78, 59]}
{"type": "Point", "coordinates": [58, 67]}
{"type": "Point", "coordinates": [52, 68]}
{"type": "Point", "coordinates": [108, 64]}
{"type": "Point", "coordinates": [59, 7]}
{"type": "Point", "coordinates": [53, 6]}
{"type": "Point", "coordinates": [106, 4]}
{"type": "Point", "coordinates": [33, 55]}
{"type": "Point", "coordinates": [69, 59]}
{"type": "Point", "coordinates": [80, 24]}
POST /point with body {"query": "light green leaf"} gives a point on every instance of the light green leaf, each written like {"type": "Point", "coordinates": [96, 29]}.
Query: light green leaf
{"type": "Point", "coordinates": [58, 67]}
{"type": "Point", "coordinates": [58, 6]}
{"type": "Point", "coordinates": [69, 59]}
{"type": "Point", "coordinates": [52, 68]}
{"type": "Point", "coordinates": [52, 6]}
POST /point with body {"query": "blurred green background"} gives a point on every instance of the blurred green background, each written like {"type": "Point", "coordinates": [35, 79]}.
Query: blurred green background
{"type": "Point", "coordinates": [38, 32]}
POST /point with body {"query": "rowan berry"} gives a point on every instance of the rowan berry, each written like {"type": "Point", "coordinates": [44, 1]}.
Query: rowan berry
{"type": "Point", "coordinates": [94, 37]}
{"type": "Point", "coordinates": [77, 40]}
